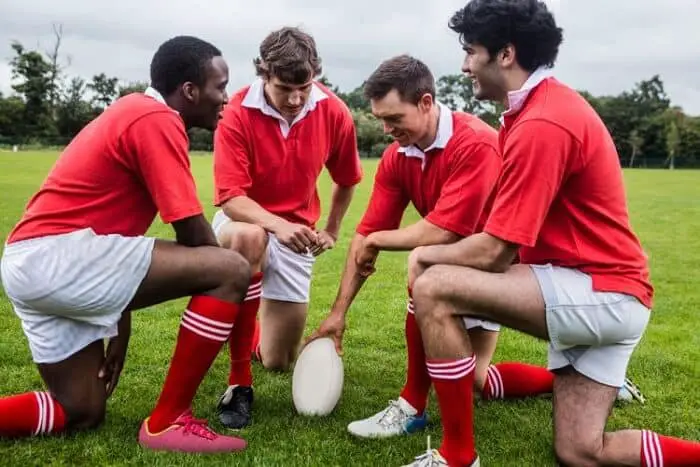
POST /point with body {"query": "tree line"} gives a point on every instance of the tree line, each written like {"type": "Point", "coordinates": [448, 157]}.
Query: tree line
{"type": "Point", "coordinates": [48, 107]}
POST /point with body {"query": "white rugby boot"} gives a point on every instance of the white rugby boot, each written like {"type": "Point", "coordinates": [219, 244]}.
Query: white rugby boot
{"type": "Point", "coordinates": [398, 418]}
{"type": "Point", "coordinates": [433, 458]}
{"type": "Point", "coordinates": [629, 392]}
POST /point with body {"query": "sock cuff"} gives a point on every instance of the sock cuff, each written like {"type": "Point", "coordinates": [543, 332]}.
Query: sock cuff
{"type": "Point", "coordinates": [451, 369]}
{"type": "Point", "coordinates": [50, 414]}
{"type": "Point", "coordinates": [651, 454]}
{"type": "Point", "coordinates": [209, 317]}
{"type": "Point", "coordinates": [213, 307]}
{"type": "Point", "coordinates": [254, 288]}
{"type": "Point", "coordinates": [494, 383]}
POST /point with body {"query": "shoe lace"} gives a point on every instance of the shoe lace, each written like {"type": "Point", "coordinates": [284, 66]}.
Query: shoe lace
{"type": "Point", "coordinates": [428, 459]}
{"type": "Point", "coordinates": [392, 415]}
{"type": "Point", "coordinates": [197, 427]}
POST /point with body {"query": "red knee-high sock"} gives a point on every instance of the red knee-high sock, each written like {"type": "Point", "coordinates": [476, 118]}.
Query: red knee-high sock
{"type": "Point", "coordinates": [242, 341]}
{"type": "Point", "coordinates": [515, 380]}
{"type": "Point", "coordinates": [664, 451]}
{"type": "Point", "coordinates": [417, 386]}
{"type": "Point", "coordinates": [453, 381]}
{"type": "Point", "coordinates": [206, 324]}
{"type": "Point", "coordinates": [30, 414]}
{"type": "Point", "coordinates": [256, 342]}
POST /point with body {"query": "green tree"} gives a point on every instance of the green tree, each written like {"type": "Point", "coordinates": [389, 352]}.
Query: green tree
{"type": "Point", "coordinates": [371, 139]}
{"type": "Point", "coordinates": [689, 147]}
{"type": "Point", "coordinates": [327, 83]}
{"type": "Point", "coordinates": [457, 92]}
{"type": "Point", "coordinates": [34, 76]}
{"type": "Point", "coordinates": [135, 86]}
{"type": "Point", "coordinates": [105, 90]}
{"type": "Point", "coordinates": [355, 99]}
{"type": "Point", "coordinates": [674, 123]}
{"type": "Point", "coordinates": [74, 112]}
{"type": "Point", "coordinates": [11, 114]}
{"type": "Point", "coordinates": [636, 142]}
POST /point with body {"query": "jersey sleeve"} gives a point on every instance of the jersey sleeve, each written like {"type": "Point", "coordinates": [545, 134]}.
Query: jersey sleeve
{"type": "Point", "coordinates": [535, 160]}
{"type": "Point", "coordinates": [231, 159]}
{"type": "Point", "coordinates": [388, 200]}
{"type": "Point", "coordinates": [161, 150]}
{"type": "Point", "coordinates": [473, 177]}
{"type": "Point", "coordinates": [343, 162]}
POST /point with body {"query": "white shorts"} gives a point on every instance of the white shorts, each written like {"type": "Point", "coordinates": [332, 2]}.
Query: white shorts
{"type": "Point", "coordinates": [70, 290]}
{"type": "Point", "coordinates": [286, 274]}
{"type": "Point", "coordinates": [595, 332]}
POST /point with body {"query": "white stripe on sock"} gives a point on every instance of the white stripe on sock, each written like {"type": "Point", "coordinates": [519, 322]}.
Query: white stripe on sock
{"type": "Point", "coordinates": [254, 291]}
{"type": "Point", "coordinates": [214, 330]}
{"type": "Point", "coordinates": [651, 446]}
{"type": "Point", "coordinates": [51, 402]}
{"type": "Point", "coordinates": [203, 334]}
{"type": "Point", "coordinates": [253, 297]}
{"type": "Point", "coordinates": [493, 379]}
{"type": "Point", "coordinates": [452, 370]}
{"type": "Point", "coordinates": [204, 320]}
{"type": "Point", "coordinates": [45, 412]}
{"type": "Point", "coordinates": [499, 389]}
{"type": "Point", "coordinates": [40, 411]}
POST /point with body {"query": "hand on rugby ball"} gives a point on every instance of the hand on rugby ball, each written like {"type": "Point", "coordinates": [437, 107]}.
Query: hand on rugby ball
{"type": "Point", "coordinates": [334, 327]}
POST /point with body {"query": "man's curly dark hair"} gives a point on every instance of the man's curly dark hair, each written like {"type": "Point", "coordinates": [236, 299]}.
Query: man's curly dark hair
{"type": "Point", "coordinates": [526, 24]}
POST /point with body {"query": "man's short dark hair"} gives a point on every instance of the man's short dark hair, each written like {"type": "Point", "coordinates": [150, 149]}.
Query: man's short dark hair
{"type": "Point", "coordinates": [410, 77]}
{"type": "Point", "coordinates": [289, 54]}
{"type": "Point", "coordinates": [526, 24]}
{"type": "Point", "coordinates": [179, 60]}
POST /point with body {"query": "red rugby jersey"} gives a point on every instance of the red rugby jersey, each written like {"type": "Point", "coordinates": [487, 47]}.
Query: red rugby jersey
{"type": "Point", "coordinates": [561, 195]}
{"type": "Point", "coordinates": [450, 184]}
{"type": "Point", "coordinates": [118, 173]}
{"type": "Point", "coordinates": [259, 155]}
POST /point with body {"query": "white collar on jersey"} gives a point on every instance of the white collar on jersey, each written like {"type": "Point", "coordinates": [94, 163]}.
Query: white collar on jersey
{"type": "Point", "coordinates": [255, 99]}
{"type": "Point", "coordinates": [153, 93]}
{"type": "Point", "coordinates": [444, 133]}
{"type": "Point", "coordinates": [516, 99]}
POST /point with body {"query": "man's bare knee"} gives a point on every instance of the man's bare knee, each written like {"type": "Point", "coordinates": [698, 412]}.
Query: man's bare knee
{"type": "Point", "coordinates": [84, 414]}
{"type": "Point", "coordinates": [571, 454]}
{"type": "Point", "coordinates": [277, 363]}
{"type": "Point", "coordinates": [425, 291]}
{"type": "Point", "coordinates": [248, 239]}
{"type": "Point", "coordinates": [235, 272]}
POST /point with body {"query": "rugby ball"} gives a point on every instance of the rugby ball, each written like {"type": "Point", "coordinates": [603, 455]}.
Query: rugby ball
{"type": "Point", "coordinates": [317, 380]}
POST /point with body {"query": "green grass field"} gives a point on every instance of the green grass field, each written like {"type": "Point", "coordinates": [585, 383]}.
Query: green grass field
{"type": "Point", "coordinates": [665, 212]}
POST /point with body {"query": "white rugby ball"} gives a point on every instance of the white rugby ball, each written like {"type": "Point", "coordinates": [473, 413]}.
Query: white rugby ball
{"type": "Point", "coordinates": [317, 381]}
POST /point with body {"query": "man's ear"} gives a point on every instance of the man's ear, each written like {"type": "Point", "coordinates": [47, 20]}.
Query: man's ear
{"type": "Point", "coordinates": [506, 56]}
{"type": "Point", "coordinates": [191, 92]}
{"type": "Point", "coordinates": [426, 102]}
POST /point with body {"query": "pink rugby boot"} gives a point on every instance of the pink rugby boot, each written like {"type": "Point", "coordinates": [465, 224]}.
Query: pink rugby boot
{"type": "Point", "coordinates": [189, 434]}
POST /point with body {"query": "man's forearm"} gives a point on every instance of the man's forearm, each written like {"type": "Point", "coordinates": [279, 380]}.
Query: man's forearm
{"type": "Point", "coordinates": [419, 234]}
{"type": "Point", "coordinates": [194, 231]}
{"type": "Point", "coordinates": [244, 209]}
{"type": "Point", "coordinates": [342, 195]}
{"type": "Point", "coordinates": [351, 282]}
{"type": "Point", "coordinates": [479, 251]}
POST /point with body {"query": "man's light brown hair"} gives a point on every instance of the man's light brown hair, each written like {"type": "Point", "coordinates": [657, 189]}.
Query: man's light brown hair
{"type": "Point", "coordinates": [289, 54]}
